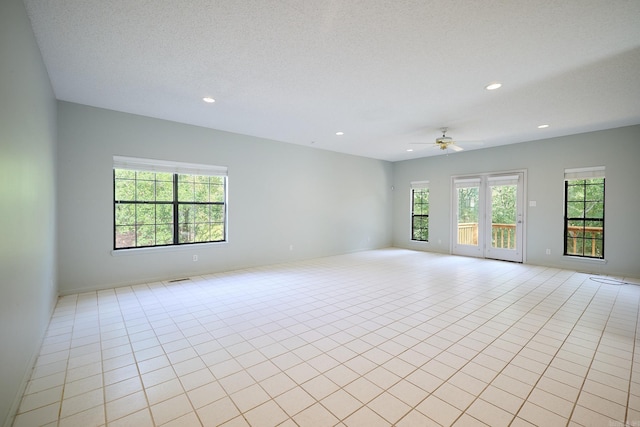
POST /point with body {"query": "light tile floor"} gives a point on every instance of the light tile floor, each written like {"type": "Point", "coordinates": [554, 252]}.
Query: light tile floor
{"type": "Point", "coordinates": [377, 338]}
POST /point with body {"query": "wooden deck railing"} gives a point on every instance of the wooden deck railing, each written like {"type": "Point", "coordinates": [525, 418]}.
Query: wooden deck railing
{"type": "Point", "coordinates": [468, 233]}
{"type": "Point", "coordinates": [503, 236]}
{"type": "Point", "coordinates": [590, 233]}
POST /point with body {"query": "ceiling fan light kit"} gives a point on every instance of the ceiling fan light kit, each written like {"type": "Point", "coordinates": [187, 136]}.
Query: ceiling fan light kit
{"type": "Point", "coordinates": [445, 142]}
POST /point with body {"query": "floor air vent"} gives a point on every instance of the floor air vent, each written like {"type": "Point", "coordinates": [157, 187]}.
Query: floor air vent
{"type": "Point", "coordinates": [179, 280]}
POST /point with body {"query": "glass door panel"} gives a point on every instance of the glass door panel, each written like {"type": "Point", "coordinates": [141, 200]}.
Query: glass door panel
{"type": "Point", "coordinates": [503, 216]}
{"type": "Point", "coordinates": [468, 233]}
{"type": "Point", "coordinates": [468, 209]}
{"type": "Point", "coordinates": [504, 207]}
{"type": "Point", "coordinates": [489, 217]}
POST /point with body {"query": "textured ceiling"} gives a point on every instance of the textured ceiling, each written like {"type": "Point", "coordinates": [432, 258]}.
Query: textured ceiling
{"type": "Point", "coordinates": [386, 73]}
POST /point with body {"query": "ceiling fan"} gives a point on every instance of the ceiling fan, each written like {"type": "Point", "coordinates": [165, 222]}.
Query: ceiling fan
{"type": "Point", "coordinates": [444, 142]}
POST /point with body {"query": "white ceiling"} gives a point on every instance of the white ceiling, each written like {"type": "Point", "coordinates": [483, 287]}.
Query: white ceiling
{"type": "Point", "coordinates": [386, 73]}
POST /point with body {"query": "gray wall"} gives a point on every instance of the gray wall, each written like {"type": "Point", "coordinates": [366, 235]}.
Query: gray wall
{"type": "Point", "coordinates": [280, 195]}
{"type": "Point", "coordinates": [545, 160]}
{"type": "Point", "coordinates": [27, 203]}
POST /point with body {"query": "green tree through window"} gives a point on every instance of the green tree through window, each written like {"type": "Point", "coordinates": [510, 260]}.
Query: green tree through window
{"type": "Point", "coordinates": [160, 209]}
{"type": "Point", "coordinates": [420, 214]}
{"type": "Point", "coordinates": [584, 217]}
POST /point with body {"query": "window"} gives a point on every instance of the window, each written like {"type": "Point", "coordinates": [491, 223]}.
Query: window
{"type": "Point", "coordinates": [584, 212]}
{"type": "Point", "coordinates": [159, 203]}
{"type": "Point", "coordinates": [420, 211]}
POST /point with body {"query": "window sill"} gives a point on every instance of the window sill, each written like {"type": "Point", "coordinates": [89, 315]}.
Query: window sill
{"type": "Point", "coordinates": [161, 249]}
{"type": "Point", "coordinates": [587, 260]}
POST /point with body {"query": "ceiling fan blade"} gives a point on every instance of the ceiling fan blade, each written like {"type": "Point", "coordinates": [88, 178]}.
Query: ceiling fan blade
{"type": "Point", "coordinates": [455, 147]}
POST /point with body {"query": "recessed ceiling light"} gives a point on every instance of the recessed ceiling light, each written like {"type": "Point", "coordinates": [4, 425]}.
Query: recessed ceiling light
{"type": "Point", "coordinates": [339, 133]}
{"type": "Point", "coordinates": [208, 100]}
{"type": "Point", "coordinates": [493, 86]}
{"type": "Point", "coordinates": [543, 126]}
{"type": "Point", "coordinates": [409, 149]}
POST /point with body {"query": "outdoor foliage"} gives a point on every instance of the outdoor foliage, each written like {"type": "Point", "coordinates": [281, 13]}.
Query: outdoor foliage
{"type": "Point", "coordinates": [146, 206]}
{"type": "Point", "coordinates": [503, 215]}
{"type": "Point", "coordinates": [503, 204]}
{"type": "Point", "coordinates": [468, 198]}
{"type": "Point", "coordinates": [420, 214]}
{"type": "Point", "coordinates": [584, 217]}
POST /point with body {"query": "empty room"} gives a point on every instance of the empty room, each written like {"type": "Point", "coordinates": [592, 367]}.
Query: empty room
{"type": "Point", "coordinates": [233, 213]}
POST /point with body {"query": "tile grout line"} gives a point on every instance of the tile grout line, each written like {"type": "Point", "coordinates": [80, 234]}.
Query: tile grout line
{"type": "Point", "coordinates": [487, 345]}
{"type": "Point", "coordinates": [584, 380]}
{"type": "Point", "coordinates": [634, 355]}
{"type": "Point", "coordinates": [365, 314]}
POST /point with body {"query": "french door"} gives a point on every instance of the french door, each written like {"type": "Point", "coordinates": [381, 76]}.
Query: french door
{"type": "Point", "coordinates": [489, 216]}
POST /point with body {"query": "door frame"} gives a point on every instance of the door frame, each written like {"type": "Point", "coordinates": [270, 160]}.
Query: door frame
{"type": "Point", "coordinates": [481, 250]}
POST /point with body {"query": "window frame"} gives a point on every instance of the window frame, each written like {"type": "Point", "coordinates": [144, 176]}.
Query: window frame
{"type": "Point", "coordinates": [177, 171]}
{"type": "Point", "coordinates": [572, 179]}
{"type": "Point", "coordinates": [419, 186]}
